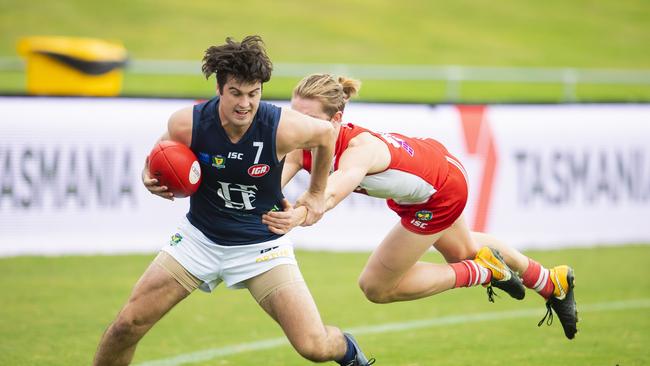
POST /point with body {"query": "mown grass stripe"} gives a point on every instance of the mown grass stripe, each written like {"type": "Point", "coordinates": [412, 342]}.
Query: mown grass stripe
{"type": "Point", "coordinates": [212, 353]}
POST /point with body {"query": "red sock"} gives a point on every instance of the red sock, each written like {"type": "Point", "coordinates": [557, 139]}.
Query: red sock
{"type": "Point", "coordinates": [538, 278]}
{"type": "Point", "coordinates": [469, 273]}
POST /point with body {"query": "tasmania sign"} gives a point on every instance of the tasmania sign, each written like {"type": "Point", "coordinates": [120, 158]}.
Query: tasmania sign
{"type": "Point", "coordinates": [540, 176]}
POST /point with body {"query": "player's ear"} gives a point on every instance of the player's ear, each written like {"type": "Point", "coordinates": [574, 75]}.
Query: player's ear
{"type": "Point", "coordinates": [337, 117]}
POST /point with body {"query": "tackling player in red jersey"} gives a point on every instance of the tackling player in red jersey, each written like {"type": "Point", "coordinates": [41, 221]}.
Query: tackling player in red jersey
{"type": "Point", "coordinates": [427, 187]}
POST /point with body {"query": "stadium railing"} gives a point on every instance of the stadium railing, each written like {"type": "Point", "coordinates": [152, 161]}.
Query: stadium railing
{"type": "Point", "coordinates": [452, 75]}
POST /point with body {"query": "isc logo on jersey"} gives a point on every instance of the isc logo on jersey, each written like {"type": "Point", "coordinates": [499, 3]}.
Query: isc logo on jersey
{"type": "Point", "coordinates": [258, 170]}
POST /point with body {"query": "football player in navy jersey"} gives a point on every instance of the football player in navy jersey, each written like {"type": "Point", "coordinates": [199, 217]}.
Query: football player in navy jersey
{"type": "Point", "coordinates": [241, 144]}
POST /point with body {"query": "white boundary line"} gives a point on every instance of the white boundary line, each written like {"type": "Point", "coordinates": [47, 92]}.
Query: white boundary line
{"type": "Point", "coordinates": [213, 353]}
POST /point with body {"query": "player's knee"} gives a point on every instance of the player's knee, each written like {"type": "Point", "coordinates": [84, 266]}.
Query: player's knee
{"type": "Point", "coordinates": [374, 292]}
{"type": "Point", "coordinates": [123, 330]}
{"type": "Point", "coordinates": [460, 253]}
{"type": "Point", "coordinates": [378, 296]}
{"type": "Point", "coordinates": [128, 328]}
{"type": "Point", "coordinates": [313, 347]}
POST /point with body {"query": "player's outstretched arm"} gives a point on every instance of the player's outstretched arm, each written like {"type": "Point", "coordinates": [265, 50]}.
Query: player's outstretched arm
{"type": "Point", "coordinates": [292, 165]}
{"type": "Point", "coordinates": [353, 167]}
{"type": "Point", "coordinates": [281, 222]}
{"type": "Point", "coordinates": [299, 131]}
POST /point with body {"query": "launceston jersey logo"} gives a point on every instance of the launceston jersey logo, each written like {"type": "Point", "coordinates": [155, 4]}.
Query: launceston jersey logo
{"type": "Point", "coordinates": [258, 170]}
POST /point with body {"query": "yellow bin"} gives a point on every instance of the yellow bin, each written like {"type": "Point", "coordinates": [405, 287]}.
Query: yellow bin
{"type": "Point", "coordinates": [73, 66]}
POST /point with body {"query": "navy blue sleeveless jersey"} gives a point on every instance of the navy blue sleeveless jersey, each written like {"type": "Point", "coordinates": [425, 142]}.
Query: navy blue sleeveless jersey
{"type": "Point", "coordinates": [240, 181]}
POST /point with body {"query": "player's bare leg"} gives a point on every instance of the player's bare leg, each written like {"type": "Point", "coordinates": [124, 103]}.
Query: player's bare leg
{"type": "Point", "coordinates": [513, 258]}
{"type": "Point", "coordinates": [155, 293]}
{"type": "Point", "coordinates": [458, 244]}
{"type": "Point", "coordinates": [394, 272]}
{"type": "Point", "coordinates": [293, 308]}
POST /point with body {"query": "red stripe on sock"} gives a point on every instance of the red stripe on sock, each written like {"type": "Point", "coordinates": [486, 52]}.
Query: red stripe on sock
{"type": "Point", "coordinates": [547, 291]}
{"type": "Point", "coordinates": [462, 274]}
{"type": "Point", "coordinates": [467, 273]}
{"type": "Point", "coordinates": [531, 276]}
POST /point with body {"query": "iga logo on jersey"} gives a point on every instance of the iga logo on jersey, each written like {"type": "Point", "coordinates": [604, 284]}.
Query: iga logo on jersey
{"type": "Point", "coordinates": [258, 170]}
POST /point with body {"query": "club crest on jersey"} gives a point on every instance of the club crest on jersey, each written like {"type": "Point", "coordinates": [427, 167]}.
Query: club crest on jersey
{"type": "Point", "coordinates": [258, 170]}
{"type": "Point", "coordinates": [176, 238]}
{"type": "Point", "coordinates": [424, 215]}
{"type": "Point", "coordinates": [218, 161]}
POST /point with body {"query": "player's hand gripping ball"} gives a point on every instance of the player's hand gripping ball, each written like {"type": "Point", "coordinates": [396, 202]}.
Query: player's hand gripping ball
{"type": "Point", "coordinates": [175, 166]}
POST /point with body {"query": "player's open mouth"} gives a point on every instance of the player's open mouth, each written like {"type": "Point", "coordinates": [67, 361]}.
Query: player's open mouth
{"type": "Point", "coordinates": [241, 113]}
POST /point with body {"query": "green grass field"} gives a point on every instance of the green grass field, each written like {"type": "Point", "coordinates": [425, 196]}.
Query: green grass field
{"type": "Point", "coordinates": [54, 309]}
{"type": "Point", "coordinates": [581, 34]}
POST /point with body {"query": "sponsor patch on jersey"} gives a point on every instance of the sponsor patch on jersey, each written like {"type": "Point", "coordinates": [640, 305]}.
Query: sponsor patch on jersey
{"type": "Point", "coordinates": [424, 215]}
{"type": "Point", "coordinates": [176, 238]}
{"type": "Point", "coordinates": [218, 161]}
{"type": "Point", "coordinates": [258, 170]}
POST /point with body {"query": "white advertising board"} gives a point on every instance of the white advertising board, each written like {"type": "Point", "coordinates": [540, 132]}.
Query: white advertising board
{"type": "Point", "coordinates": [70, 176]}
{"type": "Point", "coordinates": [541, 176]}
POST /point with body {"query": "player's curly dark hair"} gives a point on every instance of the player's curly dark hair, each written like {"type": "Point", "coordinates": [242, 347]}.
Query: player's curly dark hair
{"type": "Point", "coordinates": [246, 61]}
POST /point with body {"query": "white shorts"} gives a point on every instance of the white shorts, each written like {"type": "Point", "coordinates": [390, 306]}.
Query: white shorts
{"type": "Point", "coordinates": [213, 263]}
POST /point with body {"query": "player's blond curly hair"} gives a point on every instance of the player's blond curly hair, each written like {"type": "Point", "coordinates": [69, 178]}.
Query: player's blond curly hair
{"type": "Point", "coordinates": [333, 93]}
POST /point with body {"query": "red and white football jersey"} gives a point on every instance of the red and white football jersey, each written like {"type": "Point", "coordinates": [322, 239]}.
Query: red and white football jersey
{"type": "Point", "coordinates": [417, 170]}
{"type": "Point", "coordinates": [423, 183]}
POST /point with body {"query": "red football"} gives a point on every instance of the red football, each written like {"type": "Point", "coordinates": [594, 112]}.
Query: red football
{"type": "Point", "coordinates": [175, 166]}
